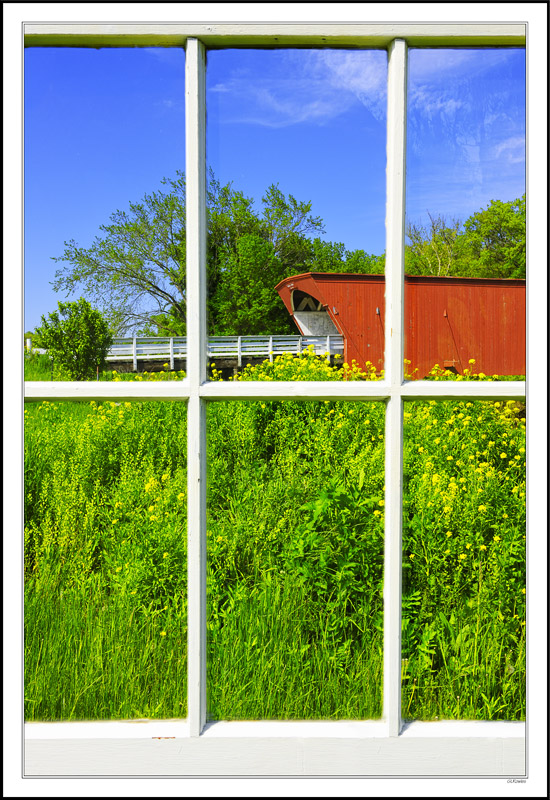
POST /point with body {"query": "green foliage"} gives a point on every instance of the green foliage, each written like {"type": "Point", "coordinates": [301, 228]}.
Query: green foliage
{"type": "Point", "coordinates": [243, 304]}
{"type": "Point", "coordinates": [337, 553]}
{"type": "Point", "coordinates": [294, 557]}
{"type": "Point", "coordinates": [432, 250]}
{"type": "Point", "coordinates": [333, 257]}
{"type": "Point", "coordinates": [249, 252]}
{"type": "Point", "coordinates": [490, 244]}
{"type": "Point", "coordinates": [77, 338]}
{"type": "Point", "coordinates": [136, 268]}
{"type": "Point", "coordinates": [38, 367]}
{"type": "Point", "coordinates": [495, 240]}
{"type": "Point", "coordinates": [135, 271]}
{"type": "Point", "coordinates": [34, 336]}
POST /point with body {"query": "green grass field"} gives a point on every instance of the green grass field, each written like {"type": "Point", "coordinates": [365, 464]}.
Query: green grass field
{"type": "Point", "coordinates": [295, 558]}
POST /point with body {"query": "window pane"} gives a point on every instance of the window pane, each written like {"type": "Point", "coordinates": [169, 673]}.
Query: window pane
{"type": "Point", "coordinates": [463, 645]}
{"type": "Point", "coordinates": [465, 253]}
{"type": "Point", "coordinates": [105, 195]}
{"type": "Point", "coordinates": [296, 147]}
{"type": "Point", "coordinates": [295, 560]}
{"type": "Point", "coordinates": [105, 560]}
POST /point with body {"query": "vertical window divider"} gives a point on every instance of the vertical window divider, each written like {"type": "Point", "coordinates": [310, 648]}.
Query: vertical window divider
{"type": "Point", "coordinates": [393, 370]}
{"type": "Point", "coordinates": [195, 154]}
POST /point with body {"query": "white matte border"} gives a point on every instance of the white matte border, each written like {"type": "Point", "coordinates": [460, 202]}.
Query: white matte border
{"type": "Point", "coordinates": [535, 14]}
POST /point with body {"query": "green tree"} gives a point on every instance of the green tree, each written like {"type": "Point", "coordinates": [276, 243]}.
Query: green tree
{"type": "Point", "coordinates": [77, 338]}
{"type": "Point", "coordinates": [494, 240]}
{"type": "Point", "coordinates": [333, 257]}
{"type": "Point", "coordinates": [135, 271]}
{"type": "Point", "coordinates": [245, 299]}
{"type": "Point", "coordinates": [432, 250]}
{"type": "Point", "coordinates": [249, 252]}
{"type": "Point", "coordinates": [490, 244]}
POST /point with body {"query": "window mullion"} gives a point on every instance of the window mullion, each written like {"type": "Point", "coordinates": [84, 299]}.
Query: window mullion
{"type": "Point", "coordinates": [195, 122]}
{"type": "Point", "coordinates": [393, 368]}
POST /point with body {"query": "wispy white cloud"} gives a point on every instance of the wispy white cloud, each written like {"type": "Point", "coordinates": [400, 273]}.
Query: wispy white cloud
{"type": "Point", "coordinates": [432, 102]}
{"type": "Point", "coordinates": [438, 66]}
{"type": "Point", "coordinates": [307, 86]}
{"type": "Point", "coordinates": [361, 75]}
{"type": "Point", "coordinates": [512, 149]}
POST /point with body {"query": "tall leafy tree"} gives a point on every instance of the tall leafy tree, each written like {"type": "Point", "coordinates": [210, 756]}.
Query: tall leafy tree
{"type": "Point", "coordinates": [432, 249]}
{"type": "Point", "coordinates": [249, 252]}
{"type": "Point", "coordinates": [333, 257]}
{"type": "Point", "coordinates": [245, 301]}
{"type": "Point", "coordinates": [490, 244]}
{"type": "Point", "coordinates": [495, 240]}
{"type": "Point", "coordinates": [135, 270]}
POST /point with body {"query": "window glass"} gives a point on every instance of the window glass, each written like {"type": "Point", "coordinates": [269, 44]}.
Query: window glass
{"type": "Point", "coordinates": [295, 560]}
{"type": "Point", "coordinates": [463, 645]}
{"type": "Point", "coordinates": [105, 560]}
{"type": "Point", "coordinates": [104, 203]}
{"type": "Point", "coordinates": [465, 247]}
{"type": "Point", "coordinates": [296, 149]}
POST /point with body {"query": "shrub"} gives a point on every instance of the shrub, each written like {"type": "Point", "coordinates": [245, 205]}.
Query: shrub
{"type": "Point", "coordinates": [77, 338]}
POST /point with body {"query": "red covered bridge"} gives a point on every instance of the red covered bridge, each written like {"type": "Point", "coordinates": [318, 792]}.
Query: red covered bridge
{"type": "Point", "coordinates": [447, 320]}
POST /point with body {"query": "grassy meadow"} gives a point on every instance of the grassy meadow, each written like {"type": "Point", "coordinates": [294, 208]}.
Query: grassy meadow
{"type": "Point", "coordinates": [295, 547]}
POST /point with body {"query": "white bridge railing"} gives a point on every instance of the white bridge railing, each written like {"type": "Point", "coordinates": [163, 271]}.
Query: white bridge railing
{"type": "Point", "coordinates": [143, 348]}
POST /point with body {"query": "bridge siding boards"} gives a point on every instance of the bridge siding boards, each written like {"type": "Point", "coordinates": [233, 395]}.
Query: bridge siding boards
{"type": "Point", "coordinates": [447, 320]}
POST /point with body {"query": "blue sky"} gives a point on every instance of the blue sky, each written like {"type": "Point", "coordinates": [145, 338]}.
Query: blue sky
{"type": "Point", "coordinates": [102, 127]}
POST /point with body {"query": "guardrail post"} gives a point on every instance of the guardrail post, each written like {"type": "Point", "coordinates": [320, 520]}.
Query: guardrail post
{"type": "Point", "coordinates": [29, 345]}
{"type": "Point", "coordinates": [300, 345]}
{"type": "Point", "coordinates": [271, 348]}
{"type": "Point", "coordinates": [172, 353]}
{"type": "Point", "coordinates": [239, 352]}
{"type": "Point", "coordinates": [134, 354]}
{"type": "Point", "coordinates": [328, 348]}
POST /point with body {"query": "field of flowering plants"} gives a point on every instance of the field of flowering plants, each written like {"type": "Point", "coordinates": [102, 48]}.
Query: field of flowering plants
{"type": "Point", "coordinates": [295, 556]}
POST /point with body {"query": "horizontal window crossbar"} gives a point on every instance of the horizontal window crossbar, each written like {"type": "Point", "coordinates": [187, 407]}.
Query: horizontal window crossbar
{"type": "Point", "coordinates": [274, 390]}
{"type": "Point", "coordinates": [376, 35]}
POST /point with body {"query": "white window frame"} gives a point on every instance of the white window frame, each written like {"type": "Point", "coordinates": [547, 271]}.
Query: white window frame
{"type": "Point", "coordinates": [192, 747]}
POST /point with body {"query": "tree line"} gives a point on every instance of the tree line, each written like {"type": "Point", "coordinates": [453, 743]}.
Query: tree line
{"type": "Point", "coordinates": [134, 272]}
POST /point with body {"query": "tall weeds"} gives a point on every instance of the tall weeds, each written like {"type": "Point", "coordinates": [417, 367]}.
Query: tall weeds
{"type": "Point", "coordinates": [295, 558]}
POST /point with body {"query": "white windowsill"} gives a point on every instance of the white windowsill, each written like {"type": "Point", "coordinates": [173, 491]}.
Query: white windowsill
{"type": "Point", "coordinates": [341, 729]}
